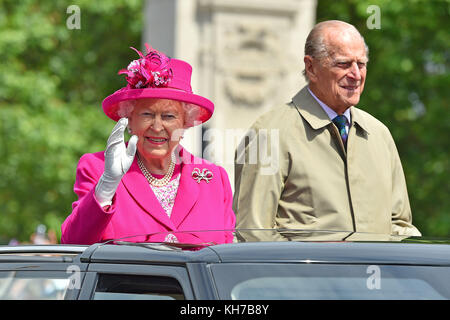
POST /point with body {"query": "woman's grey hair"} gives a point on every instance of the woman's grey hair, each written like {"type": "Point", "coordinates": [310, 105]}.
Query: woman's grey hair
{"type": "Point", "coordinates": [191, 111]}
{"type": "Point", "coordinates": [315, 45]}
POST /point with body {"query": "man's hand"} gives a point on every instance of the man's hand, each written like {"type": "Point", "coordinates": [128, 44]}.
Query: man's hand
{"type": "Point", "coordinates": [118, 159]}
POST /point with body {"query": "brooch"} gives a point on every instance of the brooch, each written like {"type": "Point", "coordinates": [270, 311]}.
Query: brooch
{"type": "Point", "coordinates": [204, 174]}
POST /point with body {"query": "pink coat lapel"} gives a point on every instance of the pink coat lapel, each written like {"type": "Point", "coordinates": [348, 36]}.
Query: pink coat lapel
{"type": "Point", "coordinates": [188, 191]}
{"type": "Point", "coordinates": [138, 187]}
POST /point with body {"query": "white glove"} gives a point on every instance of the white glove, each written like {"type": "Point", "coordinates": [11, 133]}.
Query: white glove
{"type": "Point", "coordinates": [118, 159]}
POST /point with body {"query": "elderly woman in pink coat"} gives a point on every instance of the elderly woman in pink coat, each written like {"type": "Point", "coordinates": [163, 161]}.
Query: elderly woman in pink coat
{"type": "Point", "coordinates": [151, 188]}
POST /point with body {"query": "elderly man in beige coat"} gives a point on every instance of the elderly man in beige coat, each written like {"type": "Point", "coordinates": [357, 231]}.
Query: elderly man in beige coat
{"type": "Point", "coordinates": [334, 166]}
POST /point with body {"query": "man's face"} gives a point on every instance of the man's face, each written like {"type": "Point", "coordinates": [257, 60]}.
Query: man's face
{"type": "Point", "coordinates": [338, 79]}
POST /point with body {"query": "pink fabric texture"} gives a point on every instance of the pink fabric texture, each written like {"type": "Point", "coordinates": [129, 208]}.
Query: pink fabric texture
{"type": "Point", "coordinates": [166, 194]}
{"type": "Point", "coordinates": [135, 212]}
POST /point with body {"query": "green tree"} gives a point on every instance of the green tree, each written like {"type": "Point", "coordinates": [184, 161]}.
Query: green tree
{"type": "Point", "coordinates": [407, 88]}
{"type": "Point", "coordinates": [52, 82]}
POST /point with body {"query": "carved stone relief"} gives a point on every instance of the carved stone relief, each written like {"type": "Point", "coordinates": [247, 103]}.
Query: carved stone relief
{"type": "Point", "coordinates": [252, 62]}
{"type": "Point", "coordinates": [250, 58]}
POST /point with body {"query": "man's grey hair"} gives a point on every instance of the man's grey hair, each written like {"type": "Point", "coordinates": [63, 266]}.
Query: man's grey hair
{"type": "Point", "coordinates": [191, 111]}
{"type": "Point", "coordinates": [315, 45]}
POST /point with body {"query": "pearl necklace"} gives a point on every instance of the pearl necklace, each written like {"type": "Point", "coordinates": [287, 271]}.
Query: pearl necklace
{"type": "Point", "coordinates": [155, 181]}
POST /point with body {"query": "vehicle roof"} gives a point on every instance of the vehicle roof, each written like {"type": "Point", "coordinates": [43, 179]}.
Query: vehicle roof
{"type": "Point", "coordinates": [339, 252]}
{"type": "Point", "coordinates": [272, 252]}
{"type": "Point", "coordinates": [414, 253]}
{"type": "Point", "coordinates": [40, 253]}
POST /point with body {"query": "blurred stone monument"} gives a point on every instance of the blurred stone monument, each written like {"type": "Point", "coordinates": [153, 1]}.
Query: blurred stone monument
{"type": "Point", "coordinates": [247, 57]}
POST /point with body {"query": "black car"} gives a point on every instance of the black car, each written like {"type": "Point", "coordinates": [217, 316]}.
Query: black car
{"type": "Point", "coordinates": [259, 265]}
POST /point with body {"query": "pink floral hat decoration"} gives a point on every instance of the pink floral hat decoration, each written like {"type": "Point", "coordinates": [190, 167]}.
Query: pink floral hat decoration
{"type": "Point", "coordinates": [157, 76]}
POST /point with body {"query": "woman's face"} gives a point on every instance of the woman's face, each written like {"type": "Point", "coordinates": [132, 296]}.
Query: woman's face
{"type": "Point", "coordinates": [159, 124]}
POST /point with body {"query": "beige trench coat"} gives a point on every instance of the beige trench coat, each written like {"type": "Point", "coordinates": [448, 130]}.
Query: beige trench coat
{"type": "Point", "coordinates": [304, 178]}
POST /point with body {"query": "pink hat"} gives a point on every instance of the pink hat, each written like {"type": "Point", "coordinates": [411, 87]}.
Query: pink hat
{"type": "Point", "coordinates": [157, 76]}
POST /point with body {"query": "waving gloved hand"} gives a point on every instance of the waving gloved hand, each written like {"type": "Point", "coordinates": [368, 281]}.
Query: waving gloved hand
{"type": "Point", "coordinates": [118, 159]}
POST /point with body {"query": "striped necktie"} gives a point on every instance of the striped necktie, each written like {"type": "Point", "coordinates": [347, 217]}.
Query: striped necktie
{"type": "Point", "coordinates": [341, 122]}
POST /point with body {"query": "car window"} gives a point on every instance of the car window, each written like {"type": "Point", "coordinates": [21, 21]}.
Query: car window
{"type": "Point", "coordinates": [33, 285]}
{"type": "Point", "coordinates": [137, 287]}
{"type": "Point", "coordinates": [277, 281]}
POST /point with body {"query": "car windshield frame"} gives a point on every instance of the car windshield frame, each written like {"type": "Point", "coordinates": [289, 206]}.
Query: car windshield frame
{"type": "Point", "coordinates": [262, 235]}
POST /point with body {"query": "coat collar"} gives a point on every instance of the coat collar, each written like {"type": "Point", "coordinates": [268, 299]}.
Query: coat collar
{"type": "Point", "coordinates": [187, 193]}
{"type": "Point", "coordinates": [138, 188]}
{"type": "Point", "coordinates": [357, 117]}
{"type": "Point", "coordinates": [310, 109]}
{"type": "Point", "coordinates": [314, 114]}
{"type": "Point", "coordinates": [188, 190]}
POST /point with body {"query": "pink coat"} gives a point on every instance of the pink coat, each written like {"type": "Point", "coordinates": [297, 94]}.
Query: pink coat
{"type": "Point", "coordinates": [136, 211]}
